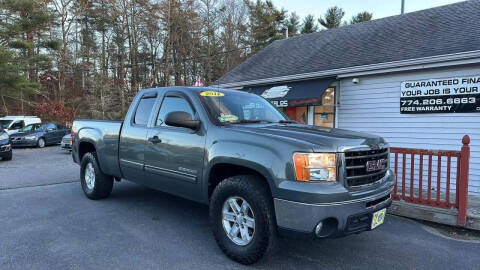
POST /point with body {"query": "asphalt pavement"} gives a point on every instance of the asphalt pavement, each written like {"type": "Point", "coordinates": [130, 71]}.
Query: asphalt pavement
{"type": "Point", "coordinates": [47, 223]}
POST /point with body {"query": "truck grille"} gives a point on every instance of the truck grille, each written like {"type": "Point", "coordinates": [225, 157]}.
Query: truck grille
{"type": "Point", "coordinates": [356, 166]}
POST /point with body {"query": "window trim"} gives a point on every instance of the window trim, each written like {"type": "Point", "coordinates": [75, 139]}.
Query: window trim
{"type": "Point", "coordinates": [144, 96]}
{"type": "Point", "coordinates": [177, 95]}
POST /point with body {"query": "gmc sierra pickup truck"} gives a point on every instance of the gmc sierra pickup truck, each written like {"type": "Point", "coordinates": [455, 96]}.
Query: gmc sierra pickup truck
{"type": "Point", "coordinates": [261, 174]}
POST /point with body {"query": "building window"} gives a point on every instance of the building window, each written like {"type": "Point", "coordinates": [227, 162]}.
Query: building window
{"type": "Point", "coordinates": [324, 115]}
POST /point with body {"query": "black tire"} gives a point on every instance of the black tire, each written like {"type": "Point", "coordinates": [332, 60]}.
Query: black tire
{"type": "Point", "coordinates": [103, 183]}
{"type": "Point", "coordinates": [41, 143]}
{"type": "Point", "coordinates": [9, 156]}
{"type": "Point", "coordinates": [256, 193]}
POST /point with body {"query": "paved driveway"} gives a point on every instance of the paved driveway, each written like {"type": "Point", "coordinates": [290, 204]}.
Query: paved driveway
{"type": "Point", "coordinates": [47, 223]}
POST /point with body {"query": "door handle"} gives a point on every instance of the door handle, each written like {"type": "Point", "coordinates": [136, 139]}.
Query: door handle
{"type": "Point", "coordinates": [154, 140]}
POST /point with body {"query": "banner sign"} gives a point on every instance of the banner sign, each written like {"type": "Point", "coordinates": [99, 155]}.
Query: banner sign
{"type": "Point", "coordinates": [451, 95]}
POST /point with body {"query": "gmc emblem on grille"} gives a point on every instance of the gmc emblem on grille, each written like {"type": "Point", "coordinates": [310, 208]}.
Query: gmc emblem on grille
{"type": "Point", "coordinates": [375, 165]}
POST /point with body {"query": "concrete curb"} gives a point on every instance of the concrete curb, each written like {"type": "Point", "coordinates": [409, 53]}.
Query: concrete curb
{"type": "Point", "coordinates": [438, 215]}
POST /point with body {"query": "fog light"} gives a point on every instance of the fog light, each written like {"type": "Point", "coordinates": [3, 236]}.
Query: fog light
{"type": "Point", "coordinates": [326, 227]}
{"type": "Point", "coordinates": [318, 228]}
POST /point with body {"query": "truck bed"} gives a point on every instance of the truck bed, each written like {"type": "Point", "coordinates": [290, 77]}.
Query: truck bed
{"type": "Point", "coordinates": [105, 135]}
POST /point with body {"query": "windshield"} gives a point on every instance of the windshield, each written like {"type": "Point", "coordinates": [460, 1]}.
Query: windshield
{"type": "Point", "coordinates": [5, 123]}
{"type": "Point", "coordinates": [237, 107]}
{"type": "Point", "coordinates": [31, 127]}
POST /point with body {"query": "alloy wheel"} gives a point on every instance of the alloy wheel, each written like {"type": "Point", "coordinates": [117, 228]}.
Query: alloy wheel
{"type": "Point", "coordinates": [90, 175]}
{"type": "Point", "coordinates": [238, 220]}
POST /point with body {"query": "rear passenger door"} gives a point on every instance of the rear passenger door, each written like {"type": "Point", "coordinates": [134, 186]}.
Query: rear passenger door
{"type": "Point", "coordinates": [174, 155]}
{"type": "Point", "coordinates": [133, 137]}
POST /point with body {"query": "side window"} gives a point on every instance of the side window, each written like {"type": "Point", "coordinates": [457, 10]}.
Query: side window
{"type": "Point", "coordinates": [51, 127]}
{"type": "Point", "coordinates": [143, 111]}
{"type": "Point", "coordinates": [172, 104]}
{"type": "Point", "coordinates": [18, 125]}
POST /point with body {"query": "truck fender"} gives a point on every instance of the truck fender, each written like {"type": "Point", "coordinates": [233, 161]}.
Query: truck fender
{"type": "Point", "coordinates": [92, 136]}
{"type": "Point", "coordinates": [260, 159]}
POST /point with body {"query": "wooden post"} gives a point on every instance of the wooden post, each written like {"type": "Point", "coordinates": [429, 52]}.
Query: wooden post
{"type": "Point", "coordinates": [463, 185]}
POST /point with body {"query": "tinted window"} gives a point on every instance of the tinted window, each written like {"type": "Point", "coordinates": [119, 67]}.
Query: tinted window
{"type": "Point", "coordinates": [143, 111]}
{"type": "Point", "coordinates": [31, 127]}
{"type": "Point", "coordinates": [18, 125]}
{"type": "Point", "coordinates": [5, 122]}
{"type": "Point", "coordinates": [173, 104]}
{"type": "Point", "coordinates": [51, 126]}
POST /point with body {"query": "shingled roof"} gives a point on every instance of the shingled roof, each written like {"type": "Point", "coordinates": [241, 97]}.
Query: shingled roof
{"type": "Point", "coordinates": [437, 31]}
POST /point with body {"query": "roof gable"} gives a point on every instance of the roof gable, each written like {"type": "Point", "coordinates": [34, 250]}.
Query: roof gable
{"type": "Point", "coordinates": [443, 30]}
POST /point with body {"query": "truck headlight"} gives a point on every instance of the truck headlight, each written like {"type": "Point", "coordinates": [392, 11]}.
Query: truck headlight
{"type": "Point", "coordinates": [315, 166]}
{"type": "Point", "coordinates": [3, 136]}
{"type": "Point", "coordinates": [33, 137]}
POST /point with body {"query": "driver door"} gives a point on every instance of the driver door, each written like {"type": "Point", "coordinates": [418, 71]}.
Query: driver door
{"type": "Point", "coordinates": [50, 133]}
{"type": "Point", "coordinates": [174, 155]}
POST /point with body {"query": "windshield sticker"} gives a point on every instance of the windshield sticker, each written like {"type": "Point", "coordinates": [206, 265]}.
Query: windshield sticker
{"type": "Point", "coordinates": [211, 94]}
{"type": "Point", "coordinates": [228, 118]}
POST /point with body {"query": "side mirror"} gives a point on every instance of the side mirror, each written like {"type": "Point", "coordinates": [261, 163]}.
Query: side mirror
{"type": "Point", "coordinates": [181, 119]}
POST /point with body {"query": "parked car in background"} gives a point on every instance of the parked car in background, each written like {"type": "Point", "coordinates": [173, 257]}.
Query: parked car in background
{"type": "Point", "coordinates": [66, 144]}
{"type": "Point", "coordinates": [40, 135]}
{"type": "Point", "coordinates": [12, 124]}
{"type": "Point", "coordinates": [5, 146]}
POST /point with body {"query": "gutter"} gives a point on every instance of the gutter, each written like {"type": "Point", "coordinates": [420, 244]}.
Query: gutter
{"type": "Point", "coordinates": [463, 58]}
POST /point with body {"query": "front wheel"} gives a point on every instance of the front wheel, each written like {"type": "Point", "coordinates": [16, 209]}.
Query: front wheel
{"type": "Point", "coordinates": [242, 218]}
{"type": "Point", "coordinates": [95, 184]}
{"type": "Point", "coordinates": [41, 143]}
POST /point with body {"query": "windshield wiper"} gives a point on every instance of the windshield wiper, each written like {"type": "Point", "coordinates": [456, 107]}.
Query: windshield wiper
{"type": "Point", "coordinates": [245, 121]}
{"type": "Point", "coordinates": [287, 122]}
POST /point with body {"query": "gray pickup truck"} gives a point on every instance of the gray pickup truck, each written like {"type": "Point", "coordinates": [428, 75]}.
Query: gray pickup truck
{"type": "Point", "coordinates": [261, 174]}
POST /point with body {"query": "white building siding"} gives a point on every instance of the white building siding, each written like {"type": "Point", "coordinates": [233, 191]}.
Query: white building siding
{"type": "Point", "coordinates": [373, 106]}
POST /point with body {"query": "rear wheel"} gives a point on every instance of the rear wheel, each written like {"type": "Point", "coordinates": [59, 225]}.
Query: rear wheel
{"type": "Point", "coordinates": [41, 143]}
{"type": "Point", "coordinates": [242, 218]}
{"type": "Point", "coordinates": [95, 184]}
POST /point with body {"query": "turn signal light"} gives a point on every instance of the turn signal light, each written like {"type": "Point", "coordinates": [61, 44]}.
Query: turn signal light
{"type": "Point", "coordinates": [315, 166]}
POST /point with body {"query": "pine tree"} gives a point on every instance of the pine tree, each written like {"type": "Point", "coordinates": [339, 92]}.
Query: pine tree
{"type": "Point", "coordinates": [26, 31]}
{"type": "Point", "coordinates": [266, 23]}
{"type": "Point", "coordinates": [293, 24]}
{"type": "Point", "coordinates": [361, 17]}
{"type": "Point", "coordinates": [309, 25]}
{"type": "Point", "coordinates": [12, 82]}
{"type": "Point", "coordinates": [332, 18]}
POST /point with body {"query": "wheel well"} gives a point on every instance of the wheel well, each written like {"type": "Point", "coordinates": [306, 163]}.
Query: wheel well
{"type": "Point", "coordinates": [222, 171]}
{"type": "Point", "coordinates": [85, 147]}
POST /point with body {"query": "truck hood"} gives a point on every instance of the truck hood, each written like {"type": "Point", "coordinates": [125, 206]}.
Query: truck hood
{"type": "Point", "coordinates": [322, 138]}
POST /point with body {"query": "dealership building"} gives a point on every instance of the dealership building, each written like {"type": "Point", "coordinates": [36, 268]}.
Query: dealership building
{"type": "Point", "coordinates": [413, 79]}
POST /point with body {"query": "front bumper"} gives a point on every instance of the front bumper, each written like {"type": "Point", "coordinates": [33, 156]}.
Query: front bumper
{"type": "Point", "coordinates": [344, 217]}
{"type": "Point", "coordinates": [66, 146]}
{"type": "Point", "coordinates": [23, 142]}
{"type": "Point", "coordinates": [5, 150]}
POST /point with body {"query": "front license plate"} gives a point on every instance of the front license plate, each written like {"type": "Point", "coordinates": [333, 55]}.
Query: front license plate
{"type": "Point", "coordinates": [378, 217]}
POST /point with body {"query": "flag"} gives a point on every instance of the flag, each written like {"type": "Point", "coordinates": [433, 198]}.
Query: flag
{"type": "Point", "coordinates": [198, 83]}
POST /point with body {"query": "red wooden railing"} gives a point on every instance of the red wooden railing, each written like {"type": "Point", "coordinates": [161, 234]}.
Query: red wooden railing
{"type": "Point", "coordinates": [416, 193]}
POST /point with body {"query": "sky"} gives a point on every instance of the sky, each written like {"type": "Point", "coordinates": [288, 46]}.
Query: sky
{"type": "Point", "coordinates": [379, 8]}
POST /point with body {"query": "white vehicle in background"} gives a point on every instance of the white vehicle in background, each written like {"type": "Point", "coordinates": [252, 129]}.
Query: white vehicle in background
{"type": "Point", "coordinates": [12, 124]}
